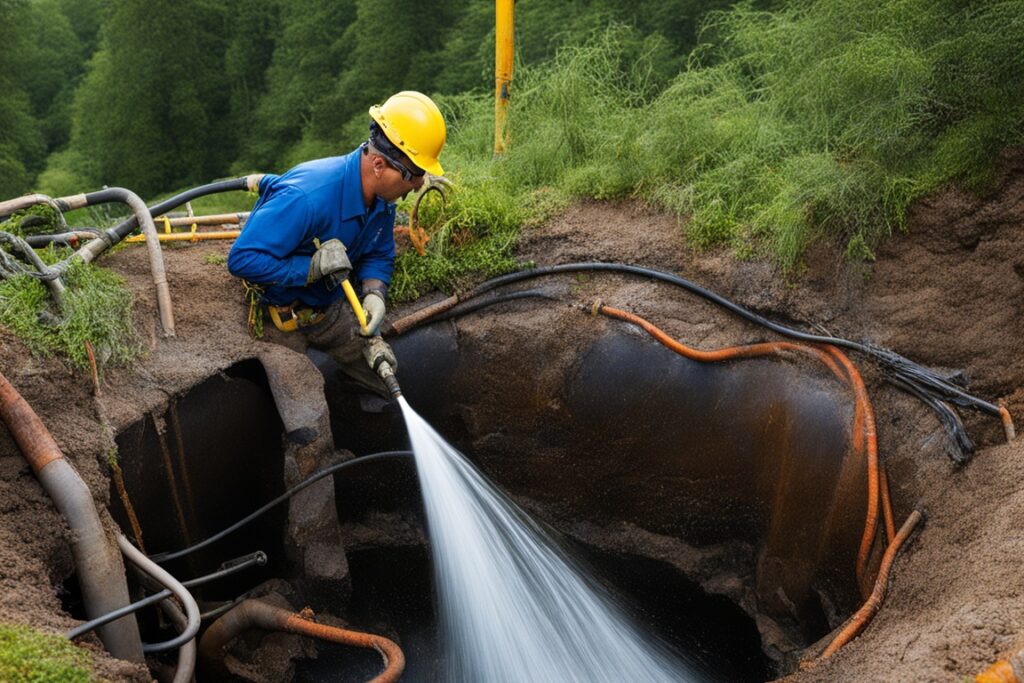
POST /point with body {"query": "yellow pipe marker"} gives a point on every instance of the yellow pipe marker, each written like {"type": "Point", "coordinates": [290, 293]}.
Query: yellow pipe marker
{"type": "Point", "coordinates": [504, 11]}
{"type": "Point", "coordinates": [356, 306]}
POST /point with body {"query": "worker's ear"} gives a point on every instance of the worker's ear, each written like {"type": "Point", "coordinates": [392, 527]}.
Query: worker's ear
{"type": "Point", "coordinates": [378, 166]}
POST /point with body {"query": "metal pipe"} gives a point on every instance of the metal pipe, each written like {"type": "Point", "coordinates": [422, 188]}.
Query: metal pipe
{"type": "Point", "coordinates": [187, 653]}
{"type": "Point", "coordinates": [257, 614]}
{"type": "Point", "coordinates": [136, 557]}
{"type": "Point", "coordinates": [100, 571]}
{"type": "Point", "coordinates": [212, 219]}
{"type": "Point", "coordinates": [187, 236]}
{"type": "Point", "coordinates": [504, 37]}
{"type": "Point", "coordinates": [227, 569]}
{"type": "Point", "coordinates": [156, 260]}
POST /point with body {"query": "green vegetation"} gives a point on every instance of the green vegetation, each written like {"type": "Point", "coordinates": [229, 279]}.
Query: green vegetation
{"type": "Point", "coordinates": [767, 125]}
{"type": "Point", "coordinates": [97, 308]}
{"type": "Point", "coordinates": [28, 656]}
{"type": "Point", "coordinates": [823, 119]}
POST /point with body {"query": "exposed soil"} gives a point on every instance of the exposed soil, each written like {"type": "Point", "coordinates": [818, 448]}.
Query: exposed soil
{"type": "Point", "coordinates": [949, 294]}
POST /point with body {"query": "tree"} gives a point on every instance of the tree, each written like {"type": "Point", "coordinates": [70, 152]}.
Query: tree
{"type": "Point", "coordinates": [307, 58]}
{"type": "Point", "coordinates": [151, 112]}
{"type": "Point", "coordinates": [22, 146]}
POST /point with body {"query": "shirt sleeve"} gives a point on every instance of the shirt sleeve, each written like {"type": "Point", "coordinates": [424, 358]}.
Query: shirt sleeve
{"type": "Point", "coordinates": [379, 261]}
{"type": "Point", "coordinates": [275, 246]}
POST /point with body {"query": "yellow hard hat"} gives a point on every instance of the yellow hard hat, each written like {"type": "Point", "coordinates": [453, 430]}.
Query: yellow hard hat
{"type": "Point", "coordinates": [413, 123]}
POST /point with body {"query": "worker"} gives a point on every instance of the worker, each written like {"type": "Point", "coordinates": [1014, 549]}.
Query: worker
{"type": "Point", "coordinates": [331, 219]}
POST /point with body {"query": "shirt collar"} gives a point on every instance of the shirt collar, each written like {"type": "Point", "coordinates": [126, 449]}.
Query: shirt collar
{"type": "Point", "coordinates": [352, 190]}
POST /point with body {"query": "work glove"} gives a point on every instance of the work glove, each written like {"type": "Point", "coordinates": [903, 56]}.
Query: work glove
{"type": "Point", "coordinates": [378, 351]}
{"type": "Point", "coordinates": [373, 305]}
{"type": "Point", "coordinates": [330, 259]}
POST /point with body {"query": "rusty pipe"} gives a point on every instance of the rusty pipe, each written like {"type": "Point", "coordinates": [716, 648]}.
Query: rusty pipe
{"type": "Point", "coordinates": [257, 614]}
{"type": "Point", "coordinates": [410, 321]}
{"type": "Point", "coordinates": [98, 563]}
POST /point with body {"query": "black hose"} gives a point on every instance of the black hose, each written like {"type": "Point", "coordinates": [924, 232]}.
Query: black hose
{"type": "Point", "coordinates": [168, 556]}
{"type": "Point", "coordinates": [899, 364]}
{"type": "Point", "coordinates": [123, 229]}
{"type": "Point", "coordinates": [117, 233]}
{"type": "Point", "coordinates": [226, 569]}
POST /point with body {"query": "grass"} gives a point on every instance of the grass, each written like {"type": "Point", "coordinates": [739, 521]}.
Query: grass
{"type": "Point", "coordinates": [817, 121]}
{"type": "Point", "coordinates": [29, 656]}
{"type": "Point", "coordinates": [97, 308]}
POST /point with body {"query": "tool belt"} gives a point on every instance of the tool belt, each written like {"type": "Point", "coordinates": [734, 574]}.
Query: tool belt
{"type": "Point", "coordinates": [293, 317]}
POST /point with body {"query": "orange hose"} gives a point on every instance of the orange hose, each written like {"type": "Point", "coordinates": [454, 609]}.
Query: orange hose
{"type": "Point", "coordinates": [253, 613]}
{"type": "Point", "coordinates": [871, 519]}
{"type": "Point", "coordinates": [890, 522]}
{"type": "Point", "coordinates": [1008, 429]}
{"type": "Point", "coordinates": [394, 659]}
{"type": "Point", "coordinates": [1000, 672]}
{"type": "Point", "coordinates": [863, 616]}
{"type": "Point", "coordinates": [732, 352]}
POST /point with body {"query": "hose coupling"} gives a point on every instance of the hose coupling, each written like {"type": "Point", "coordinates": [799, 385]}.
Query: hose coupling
{"type": "Point", "coordinates": [381, 359]}
{"type": "Point", "coordinates": [387, 375]}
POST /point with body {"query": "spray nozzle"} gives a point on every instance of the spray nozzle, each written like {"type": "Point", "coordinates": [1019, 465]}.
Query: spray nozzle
{"type": "Point", "coordinates": [387, 374]}
{"type": "Point", "coordinates": [382, 361]}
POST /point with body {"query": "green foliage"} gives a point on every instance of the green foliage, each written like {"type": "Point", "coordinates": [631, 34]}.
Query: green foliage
{"type": "Point", "coordinates": [767, 125]}
{"type": "Point", "coordinates": [97, 308]}
{"type": "Point", "coordinates": [215, 259]}
{"type": "Point", "coordinates": [819, 119]}
{"type": "Point", "coordinates": [30, 656]}
{"type": "Point", "coordinates": [151, 112]}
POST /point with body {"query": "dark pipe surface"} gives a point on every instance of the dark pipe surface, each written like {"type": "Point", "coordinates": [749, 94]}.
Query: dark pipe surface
{"type": "Point", "coordinates": [618, 429]}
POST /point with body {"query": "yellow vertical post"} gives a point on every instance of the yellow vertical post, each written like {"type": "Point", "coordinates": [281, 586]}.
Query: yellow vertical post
{"type": "Point", "coordinates": [503, 44]}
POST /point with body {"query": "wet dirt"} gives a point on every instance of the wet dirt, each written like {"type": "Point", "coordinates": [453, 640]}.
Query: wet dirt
{"type": "Point", "coordinates": [948, 294]}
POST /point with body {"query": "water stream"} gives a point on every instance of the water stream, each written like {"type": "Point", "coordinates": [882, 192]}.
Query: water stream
{"type": "Point", "coordinates": [513, 606]}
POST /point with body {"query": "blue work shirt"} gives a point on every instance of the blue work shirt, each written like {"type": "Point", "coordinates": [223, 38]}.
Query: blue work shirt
{"type": "Point", "coordinates": [320, 199]}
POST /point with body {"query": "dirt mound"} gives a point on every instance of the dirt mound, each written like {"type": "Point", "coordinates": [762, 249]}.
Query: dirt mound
{"type": "Point", "coordinates": [948, 294]}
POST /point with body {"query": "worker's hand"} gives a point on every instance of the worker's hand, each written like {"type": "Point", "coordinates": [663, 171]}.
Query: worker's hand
{"type": "Point", "coordinates": [330, 259]}
{"type": "Point", "coordinates": [378, 351]}
{"type": "Point", "coordinates": [373, 304]}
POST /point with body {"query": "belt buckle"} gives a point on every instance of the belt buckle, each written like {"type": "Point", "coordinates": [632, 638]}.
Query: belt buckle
{"type": "Point", "coordinates": [289, 325]}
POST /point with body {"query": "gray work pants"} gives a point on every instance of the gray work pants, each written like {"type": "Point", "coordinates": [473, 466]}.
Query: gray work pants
{"type": "Point", "coordinates": [338, 336]}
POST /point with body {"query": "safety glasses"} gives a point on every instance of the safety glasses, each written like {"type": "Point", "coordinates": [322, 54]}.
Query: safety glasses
{"type": "Point", "coordinates": [407, 173]}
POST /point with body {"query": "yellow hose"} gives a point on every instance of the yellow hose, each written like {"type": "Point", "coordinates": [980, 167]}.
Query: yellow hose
{"type": "Point", "coordinates": [356, 306]}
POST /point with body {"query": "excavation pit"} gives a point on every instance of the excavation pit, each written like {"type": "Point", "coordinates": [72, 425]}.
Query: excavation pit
{"type": "Point", "coordinates": [721, 501]}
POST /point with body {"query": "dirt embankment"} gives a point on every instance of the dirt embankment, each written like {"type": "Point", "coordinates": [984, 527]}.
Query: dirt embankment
{"type": "Point", "coordinates": [949, 294]}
